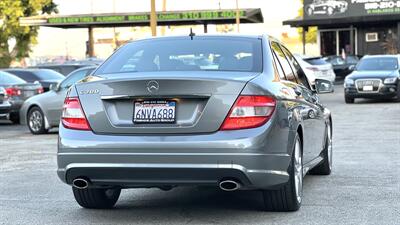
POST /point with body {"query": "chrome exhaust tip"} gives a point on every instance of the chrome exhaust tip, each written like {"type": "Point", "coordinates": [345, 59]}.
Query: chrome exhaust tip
{"type": "Point", "coordinates": [80, 183]}
{"type": "Point", "coordinates": [229, 185]}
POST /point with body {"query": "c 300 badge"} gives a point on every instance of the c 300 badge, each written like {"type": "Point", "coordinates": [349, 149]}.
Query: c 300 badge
{"type": "Point", "coordinates": [89, 92]}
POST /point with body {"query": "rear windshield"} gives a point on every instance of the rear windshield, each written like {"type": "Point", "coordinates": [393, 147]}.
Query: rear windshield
{"type": "Point", "coordinates": [316, 61]}
{"type": "Point", "coordinates": [46, 74]}
{"type": "Point", "coordinates": [214, 54]}
{"type": "Point", "coordinates": [378, 64]}
{"type": "Point", "coordinates": [9, 79]}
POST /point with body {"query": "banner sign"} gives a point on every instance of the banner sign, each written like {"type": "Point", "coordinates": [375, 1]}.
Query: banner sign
{"type": "Point", "coordinates": [145, 17]}
{"type": "Point", "coordinates": [327, 9]}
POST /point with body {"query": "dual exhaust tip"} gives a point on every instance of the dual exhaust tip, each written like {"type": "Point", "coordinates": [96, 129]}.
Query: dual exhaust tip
{"type": "Point", "coordinates": [225, 185]}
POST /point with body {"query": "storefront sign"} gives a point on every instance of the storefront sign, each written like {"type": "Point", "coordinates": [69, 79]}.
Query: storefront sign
{"type": "Point", "coordinates": [145, 17]}
{"type": "Point", "coordinates": [320, 9]}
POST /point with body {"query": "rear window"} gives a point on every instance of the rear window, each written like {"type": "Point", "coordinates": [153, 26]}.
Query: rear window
{"type": "Point", "coordinates": [25, 75]}
{"type": "Point", "coordinates": [47, 74]}
{"type": "Point", "coordinates": [385, 63]}
{"type": "Point", "coordinates": [9, 79]}
{"type": "Point", "coordinates": [184, 54]}
{"type": "Point", "coordinates": [316, 61]}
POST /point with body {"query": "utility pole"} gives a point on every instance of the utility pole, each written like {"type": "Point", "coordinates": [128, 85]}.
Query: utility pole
{"type": "Point", "coordinates": [153, 18]}
{"type": "Point", "coordinates": [164, 9]}
{"type": "Point", "coordinates": [114, 31]}
{"type": "Point", "coordinates": [237, 16]}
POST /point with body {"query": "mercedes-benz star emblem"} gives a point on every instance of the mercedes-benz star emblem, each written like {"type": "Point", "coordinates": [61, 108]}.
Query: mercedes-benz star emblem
{"type": "Point", "coordinates": [153, 86]}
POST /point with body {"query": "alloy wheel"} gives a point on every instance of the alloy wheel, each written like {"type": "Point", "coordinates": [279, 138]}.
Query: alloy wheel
{"type": "Point", "coordinates": [329, 147]}
{"type": "Point", "coordinates": [298, 171]}
{"type": "Point", "coordinates": [35, 121]}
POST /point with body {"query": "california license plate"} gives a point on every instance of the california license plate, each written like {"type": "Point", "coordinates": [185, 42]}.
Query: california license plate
{"type": "Point", "coordinates": [368, 88]}
{"type": "Point", "coordinates": [154, 111]}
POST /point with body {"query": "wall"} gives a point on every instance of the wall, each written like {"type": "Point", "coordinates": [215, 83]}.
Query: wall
{"type": "Point", "coordinates": [387, 35]}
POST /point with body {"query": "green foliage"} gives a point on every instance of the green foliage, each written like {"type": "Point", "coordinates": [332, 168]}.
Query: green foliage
{"type": "Point", "coordinates": [10, 30]}
{"type": "Point", "coordinates": [311, 35]}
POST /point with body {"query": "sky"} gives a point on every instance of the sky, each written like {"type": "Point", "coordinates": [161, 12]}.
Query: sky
{"type": "Point", "coordinates": [59, 42]}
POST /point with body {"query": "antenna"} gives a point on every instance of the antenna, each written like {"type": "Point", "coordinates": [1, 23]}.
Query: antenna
{"type": "Point", "coordinates": [191, 34]}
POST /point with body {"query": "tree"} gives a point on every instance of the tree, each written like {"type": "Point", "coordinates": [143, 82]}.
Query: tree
{"type": "Point", "coordinates": [12, 32]}
{"type": "Point", "coordinates": [311, 35]}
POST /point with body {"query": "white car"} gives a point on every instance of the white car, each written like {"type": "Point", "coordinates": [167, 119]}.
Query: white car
{"type": "Point", "coordinates": [316, 68]}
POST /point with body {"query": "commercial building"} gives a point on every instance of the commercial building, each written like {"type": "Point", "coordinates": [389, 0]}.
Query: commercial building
{"type": "Point", "coordinates": [361, 27]}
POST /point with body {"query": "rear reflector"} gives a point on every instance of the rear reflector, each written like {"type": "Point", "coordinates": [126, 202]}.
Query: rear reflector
{"type": "Point", "coordinates": [249, 112]}
{"type": "Point", "coordinates": [73, 116]}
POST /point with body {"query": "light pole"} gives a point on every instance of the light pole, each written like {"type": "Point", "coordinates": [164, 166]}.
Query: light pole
{"type": "Point", "coordinates": [237, 16]}
{"type": "Point", "coordinates": [153, 18]}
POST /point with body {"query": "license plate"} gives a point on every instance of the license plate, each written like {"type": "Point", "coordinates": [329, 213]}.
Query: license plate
{"type": "Point", "coordinates": [29, 93]}
{"type": "Point", "coordinates": [368, 88]}
{"type": "Point", "coordinates": [154, 111]}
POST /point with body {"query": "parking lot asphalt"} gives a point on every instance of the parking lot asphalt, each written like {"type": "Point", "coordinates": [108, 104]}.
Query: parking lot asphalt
{"type": "Point", "coordinates": [364, 187]}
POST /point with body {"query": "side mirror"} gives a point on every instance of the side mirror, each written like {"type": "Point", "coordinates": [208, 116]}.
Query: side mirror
{"type": "Point", "coordinates": [352, 67]}
{"type": "Point", "coordinates": [323, 86]}
{"type": "Point", "coordinates": [55, 87]}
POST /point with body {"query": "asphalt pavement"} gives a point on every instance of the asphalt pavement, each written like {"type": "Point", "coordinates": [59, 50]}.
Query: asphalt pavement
{"type": "Point", "coordinates": [364, 187]}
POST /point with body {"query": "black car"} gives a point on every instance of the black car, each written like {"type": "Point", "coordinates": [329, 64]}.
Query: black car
{"type": "Point", "coordinates": [5, 106]}
{"type": "Point", "coordinates": [45, 77]}
{"type": "Point", "coordinates": [67, 68]}
{"type": "Point", "coordinates": [374, 77]}
{"type": "Point", "coordinates": [342, 66]}
{"type": "Point", "coordinates": [17, 91]}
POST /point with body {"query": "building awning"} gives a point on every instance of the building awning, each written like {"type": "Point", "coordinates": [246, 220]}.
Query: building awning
{"type": "Point", "coordinates": [345, 21]}
{"type": "Point", "coordinates": [170, 18]}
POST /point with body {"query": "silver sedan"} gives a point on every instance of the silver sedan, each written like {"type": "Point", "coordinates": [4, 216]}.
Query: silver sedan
{"type": "Point", "coordinates": [42, 112]}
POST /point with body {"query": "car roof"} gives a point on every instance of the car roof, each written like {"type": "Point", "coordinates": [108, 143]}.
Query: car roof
{"type": "Point", "coordinates": [27, 69]}
{"type": "Point", "coordinates": [202, 36]}
{"type": "Point", "coordinates": [381, 56]}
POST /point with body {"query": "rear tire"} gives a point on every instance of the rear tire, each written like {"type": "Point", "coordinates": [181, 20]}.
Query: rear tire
{"type": "Point", "coordinates": [348, 99]}
{"type": "Point", "coordinates": [96, 198]}
{"type": "Point", "coordinates": [14, 117]}
{"type": "Point", "coordinates": [289, 197]}
{"type": "Point", "coordinates": [325, 167]}
{"type": "Point", "coordinates": [36, 122]}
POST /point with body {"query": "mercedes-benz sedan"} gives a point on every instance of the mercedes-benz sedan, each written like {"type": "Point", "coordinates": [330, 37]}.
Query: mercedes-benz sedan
{"type": "Point", "coordinates": [234, 112]}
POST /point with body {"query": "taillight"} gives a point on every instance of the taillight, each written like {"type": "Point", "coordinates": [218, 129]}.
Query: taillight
{"type": "Point", "coordinates": [40, 90]}
{"type": "Point", "coordinates": [73, 116]}
{"type": "Point", "coordinates": [13, 91]}
{"type": "Point", "coordinates": [249, 112]}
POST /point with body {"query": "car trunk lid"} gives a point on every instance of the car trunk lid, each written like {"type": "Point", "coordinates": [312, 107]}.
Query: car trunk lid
{"type": "Point", "coordinates": [203, 99]}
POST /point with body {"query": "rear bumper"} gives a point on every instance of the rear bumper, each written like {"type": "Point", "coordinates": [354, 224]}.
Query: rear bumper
{"type": "Point", "coordinates": [153, 161]}
{"type": "Point", "coordinates": [5, 109]}
{"type": "Point", "coordinates": [386, 91]}
{"type": "Point", "coordinates": [16, 105]}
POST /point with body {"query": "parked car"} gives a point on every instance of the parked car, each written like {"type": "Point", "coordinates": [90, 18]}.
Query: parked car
{"type": "Point", "coordinates": [45, 77]}
{"type": "Point", "coordinates": [316, 68]}
{"type": "Point", "coordinates": [5, 106]}
{"type": "Point", "coordinates": [342, 67]}
{"type": "Point", "coordinates": [374, 77]}
{"type": "Point", "coordinates": [250, 123]}
{"type": "Point", "coordinates": [17, 91]}
{"type": "Point", "coordinates": [69, 67]}
{"type": "Point", "coordinates": [326, 7]}
{"type": "Point", "coordinates": [42, 112]}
